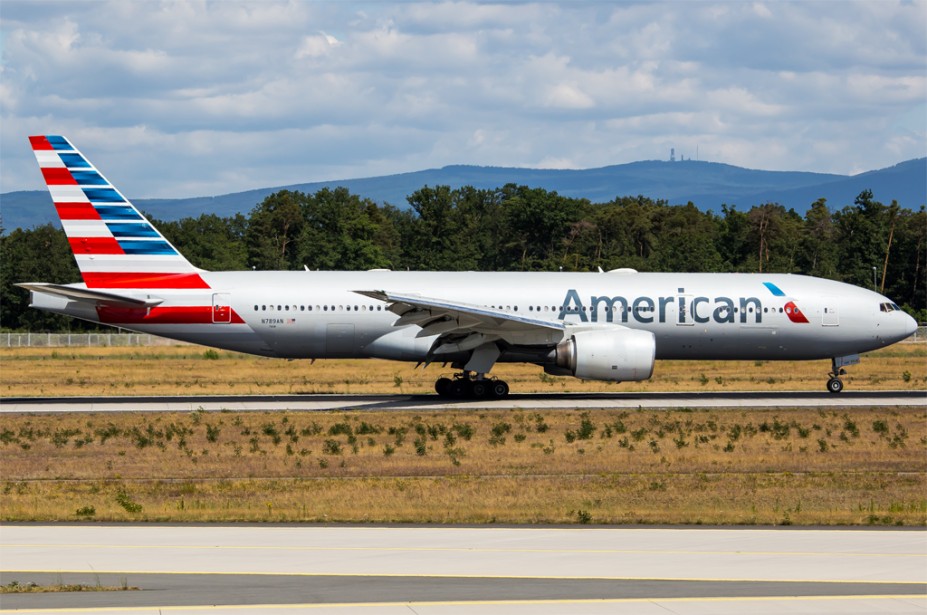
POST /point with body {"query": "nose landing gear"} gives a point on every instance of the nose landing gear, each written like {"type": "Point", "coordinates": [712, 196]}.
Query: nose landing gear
{"type": "Point", "coordinates": [835, 384]}
{"type": "Point", "coordinates": [464, 385]}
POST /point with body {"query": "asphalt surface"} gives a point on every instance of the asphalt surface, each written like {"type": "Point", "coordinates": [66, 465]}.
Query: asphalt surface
{"type": "Point", "coordinates": [171, 590]}
{"type": "Point", "coordinates": [436, 570]}
{"type": "Point", "coordinates": [725, 399]}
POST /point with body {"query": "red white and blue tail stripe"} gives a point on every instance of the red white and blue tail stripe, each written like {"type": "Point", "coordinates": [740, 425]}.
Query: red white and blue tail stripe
{"type": "Point", "coordinates": [114, 245]}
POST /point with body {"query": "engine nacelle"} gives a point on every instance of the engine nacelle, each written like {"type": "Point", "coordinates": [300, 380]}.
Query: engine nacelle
{"type": "Point", "coordinates": [616, 355]}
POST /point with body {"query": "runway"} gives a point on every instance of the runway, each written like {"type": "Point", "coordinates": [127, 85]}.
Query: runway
{"type": "Point", "coordinates": [448, 570]}
{"type": "Point", "coordinates": [433, 403]}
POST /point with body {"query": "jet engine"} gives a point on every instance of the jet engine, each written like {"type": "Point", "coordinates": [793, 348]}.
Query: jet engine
{"type": "Point", "coordinates": [616, 355]}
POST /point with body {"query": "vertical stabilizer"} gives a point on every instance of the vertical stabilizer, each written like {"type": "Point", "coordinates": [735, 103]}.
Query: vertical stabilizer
{"type": "Point", "coordinates": [114, 245]}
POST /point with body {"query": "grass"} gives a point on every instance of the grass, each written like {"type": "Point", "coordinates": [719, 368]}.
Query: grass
{"type": "Point", "coordinates": [865, 466]}
{"type": "Point", "coordinates": [783, 466]}
{"type": "Point", "coordinates": [179, 370]}
{"type": "Point", "coordinates": [15, 587]}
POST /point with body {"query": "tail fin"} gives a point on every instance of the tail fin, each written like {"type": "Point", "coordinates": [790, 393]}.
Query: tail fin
{"type": "Point", "coordinates": [114, 245]}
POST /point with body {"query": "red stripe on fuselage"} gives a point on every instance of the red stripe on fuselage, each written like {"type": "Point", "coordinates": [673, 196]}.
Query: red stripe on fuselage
{"type": "Point", "coordinates": [55, 176]}
{"type": "Point", "coordinates": [77, 211]}
{"type": "Point", "coordinates": [95, 245]}
{"type": "Point", "coordinates": [40, 143]}
{"type": "Point", "coordinates": [108, 279]}
{"type": "Point", "coordinates": [794, 314]}
{"type": "Point", "coordinates": [176, 315]}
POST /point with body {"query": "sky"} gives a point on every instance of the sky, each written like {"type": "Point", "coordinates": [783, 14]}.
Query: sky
{"type": "Point", "coordinates": [181, 99]}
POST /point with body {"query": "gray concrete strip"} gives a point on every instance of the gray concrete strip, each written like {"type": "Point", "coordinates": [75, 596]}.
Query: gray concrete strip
{"type": "Point", "coordinates": [309, 403]}
{"type": "Point", "coordinates": [842, 605]}
{"type": "Point", "coordinates": [378, 570]}
{"type": "Point", "coordinates": [172, 590]}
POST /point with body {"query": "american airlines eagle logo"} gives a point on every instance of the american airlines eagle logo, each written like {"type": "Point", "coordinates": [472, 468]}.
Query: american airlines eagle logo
{"type": "Point", "coordinates": [791, 310]}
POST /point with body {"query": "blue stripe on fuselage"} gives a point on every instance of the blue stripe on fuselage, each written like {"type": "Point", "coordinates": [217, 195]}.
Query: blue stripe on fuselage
{"type": "Point", "coordinates": [775, 290]}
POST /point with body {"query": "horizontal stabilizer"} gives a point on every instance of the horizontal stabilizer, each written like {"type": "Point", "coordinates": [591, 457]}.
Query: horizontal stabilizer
{"type": "Point", "coordinates": [92, 296]}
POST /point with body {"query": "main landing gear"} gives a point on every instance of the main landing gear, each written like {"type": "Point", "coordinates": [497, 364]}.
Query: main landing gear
{"type": "Point", "coordinates": [467, 386]}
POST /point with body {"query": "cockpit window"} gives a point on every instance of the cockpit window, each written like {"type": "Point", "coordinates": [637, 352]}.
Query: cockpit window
{"type": "Point", "coordinates": [888, 307]}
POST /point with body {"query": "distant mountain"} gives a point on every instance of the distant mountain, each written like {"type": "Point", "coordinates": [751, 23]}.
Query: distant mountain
{"type": "Point", "coordinates": [707, 184]}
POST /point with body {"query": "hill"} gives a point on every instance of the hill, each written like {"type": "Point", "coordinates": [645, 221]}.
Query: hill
{"type": "Point", "coordinates": [707, 184]}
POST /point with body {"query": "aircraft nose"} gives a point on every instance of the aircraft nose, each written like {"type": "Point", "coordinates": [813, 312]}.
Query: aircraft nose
{"type": "Point", "coordinates": [910, 326]}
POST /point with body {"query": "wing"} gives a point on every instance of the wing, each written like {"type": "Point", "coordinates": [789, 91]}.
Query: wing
{"type": "Point", "coordinates": [463, 326]}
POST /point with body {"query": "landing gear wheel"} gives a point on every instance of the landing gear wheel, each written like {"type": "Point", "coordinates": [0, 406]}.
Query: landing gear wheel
{"type": "Point", "coordinates": [480, 389]}
{"type": "Point", "coordinates": [835, 385]}
{"type": "Point", "coordinates": [499, 388]}
{"type": "Point", "coordinates": [442, 386]}
{"type": "Point", "coordinates": [459, 388]}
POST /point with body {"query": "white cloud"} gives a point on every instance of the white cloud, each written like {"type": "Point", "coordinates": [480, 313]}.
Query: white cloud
{"type": "Point", "coordinates": [221, 96]}
{"type": "Point", "coordinates": [317, 46]}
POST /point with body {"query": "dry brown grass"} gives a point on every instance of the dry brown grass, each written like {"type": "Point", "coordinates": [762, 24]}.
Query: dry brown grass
{"type": "Point", "coordinates": [799, 466]}
{"type": "Point", "coordinates": [178, 370]}
{"type": "Point", "coordinates": [15, 587]}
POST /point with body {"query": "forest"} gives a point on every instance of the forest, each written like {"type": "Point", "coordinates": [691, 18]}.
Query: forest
{"type": "Point", "coordinates": [513, 228]}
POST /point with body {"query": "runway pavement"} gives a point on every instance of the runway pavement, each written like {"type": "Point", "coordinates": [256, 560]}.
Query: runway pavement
{"type": "Point", "coordinates": [448, 570]}
{"type": "Point", "coordinates": [432, 403]}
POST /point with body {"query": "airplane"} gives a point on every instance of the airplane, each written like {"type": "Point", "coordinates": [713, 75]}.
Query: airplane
{"type": "Point", "coordinates": [608, 326]}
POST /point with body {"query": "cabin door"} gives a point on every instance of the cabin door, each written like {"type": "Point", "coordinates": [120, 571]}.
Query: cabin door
{"type": "Point", "coordinates": [221, 310]}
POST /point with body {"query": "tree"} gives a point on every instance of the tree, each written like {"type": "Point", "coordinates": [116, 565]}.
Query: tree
{"type": "Point", "coordinates": [817, 252]}
{"type": "Point", "coordinates": [438, 240]}
{"type": "Point", "coordinates": [906, 279]}
{"type": "Point", "coordinates": [273, 228]}
{"type": "Point", "coordinates": [42, 254]}
{"type": "Point", "coordinates": [688, 239]}
{"type": "Point", "coordinates": [862, 239]}
{"type": "Point", "coordinates": [209, 241]}
{"type": "Point", "coordinates": [536, 222]}
{"type": "Point", "coordinates": [773, 233]}
{"type": "Point", "coordinates": [626, 229]}
{"type": "Point", "coordinates": [342, 231]}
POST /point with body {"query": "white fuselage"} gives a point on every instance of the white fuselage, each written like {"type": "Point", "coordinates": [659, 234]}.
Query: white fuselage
{"type": "Point", "coordinates": [317, 314]}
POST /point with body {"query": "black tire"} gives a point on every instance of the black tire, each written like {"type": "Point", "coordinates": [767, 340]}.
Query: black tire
{"type": "Point", "coordinates": [499, 388]}
{"type": "Point", "coordinates": [480, 389]}
{"type": "Point", "coordinates": [835, 385]}
{"type": "Point", "coordinates": [459, 388]}
{"type": "Point", "coordinates": [442, 386]}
